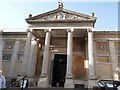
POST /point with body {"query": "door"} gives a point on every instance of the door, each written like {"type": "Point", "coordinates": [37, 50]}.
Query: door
{"type": "Point", "coordinates": [59, 70]}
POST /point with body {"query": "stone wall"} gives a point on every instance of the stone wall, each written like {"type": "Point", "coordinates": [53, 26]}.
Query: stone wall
{"type": "Point", "coordinates": [106, 63]}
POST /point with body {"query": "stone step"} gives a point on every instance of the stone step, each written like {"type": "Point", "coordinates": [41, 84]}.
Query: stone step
{"type": "Point", "coordinates": [36, 88]}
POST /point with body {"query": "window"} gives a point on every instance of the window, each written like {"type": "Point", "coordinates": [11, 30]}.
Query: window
{"type": "Point", "coordinates": [6, 56]}
{"type": "Point", "coordinates": [20, 57]}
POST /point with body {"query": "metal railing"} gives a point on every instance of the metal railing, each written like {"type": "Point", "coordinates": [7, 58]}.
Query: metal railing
{"type": "Point", "coordinates": [107, 84]}
{"type": "Point", "coordinates": [13, 84]}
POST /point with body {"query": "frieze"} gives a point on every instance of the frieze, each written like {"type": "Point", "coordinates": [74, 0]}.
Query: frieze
{"type": "Point", "coordinates": [84, 24]}
{"type": "Point", "coordinates": [62, 16]}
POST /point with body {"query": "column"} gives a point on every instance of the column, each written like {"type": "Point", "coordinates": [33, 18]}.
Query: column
{"type": "Point", "coordinates": [91, 60]}
{"type": "Point", "coordinates": [43, 82]}
{"type": "Point", "coordinates": [90, 55]}
{"type": "Point", "coordinates": [1, 48]}
{"type": "Point", "coordinates": [69, 80]}
{"type": "Point", "coordinates": [114, 60]}
{"type": "Point", "coordinates": [26, 53]}
{"type": "Point", "coordinates": [32, 58]}
{"type": "Point", "coordinates": [13, 59]}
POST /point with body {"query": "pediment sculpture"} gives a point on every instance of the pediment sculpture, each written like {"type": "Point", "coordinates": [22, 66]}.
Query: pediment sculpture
{"type": "Point", "coordinates": [62, 16]}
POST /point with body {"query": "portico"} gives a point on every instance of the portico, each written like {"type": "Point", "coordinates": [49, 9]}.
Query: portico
{"type": "Point", "coordinates": [46, 35]}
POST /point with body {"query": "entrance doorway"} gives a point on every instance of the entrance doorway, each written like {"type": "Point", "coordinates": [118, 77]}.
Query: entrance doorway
{"type": "Point", "coordinates": [59, 70]}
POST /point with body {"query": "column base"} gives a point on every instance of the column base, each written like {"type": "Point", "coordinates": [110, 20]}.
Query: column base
{"type": "Point", "coordinates": [92, 83]}
{"type": "Point", "coordinates": [69, 83]}
{"type": "Point", "coordinates": [43, 82]}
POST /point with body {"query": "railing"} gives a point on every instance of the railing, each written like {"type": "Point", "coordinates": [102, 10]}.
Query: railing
{"type": "Point", "coordinates": [108, 84]}
{"type": "Point", "coordinates": [18, 81]}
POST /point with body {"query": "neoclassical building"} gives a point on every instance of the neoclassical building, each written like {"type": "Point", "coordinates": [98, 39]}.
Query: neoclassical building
{"type": "Point", "coordinates": [61, 49]}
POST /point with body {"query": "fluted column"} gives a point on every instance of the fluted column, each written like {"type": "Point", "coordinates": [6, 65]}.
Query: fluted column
{"type": "Point", "coordinates": [32, 58]}
{"type": "Point", "coordinates": [26, 53]}
{"type": "Point", "coordinates": [13, 59]}
{"type": "Point", "coordinates": [90, 55]}
{"type": "Point", "coordinates": [43, 82]}
{"type": "Point", "coordinates": [69, 80]}
{"type": "Point", "coordinates": [92, 81]}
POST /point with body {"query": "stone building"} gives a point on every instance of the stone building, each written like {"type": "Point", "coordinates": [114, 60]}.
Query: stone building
{"type": "Point", "coordinates": [61, 49]}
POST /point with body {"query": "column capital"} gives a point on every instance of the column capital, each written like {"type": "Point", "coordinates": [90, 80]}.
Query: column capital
{"type": "Point", "coordinates": [90, 30]}
{"type": "Point", "coordinates": [47, 30]}
{"type": "Point", "coordinates": [70, 30]}
{"type": "Point", "coordinates": [29, 30]}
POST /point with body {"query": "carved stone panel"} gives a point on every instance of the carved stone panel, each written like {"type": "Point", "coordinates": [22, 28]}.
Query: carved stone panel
{"type": "Point", "coordinates": [103, 59]}
{"type": "Point", "coordinates": [22, 46]}
{"type": "Point", "coordinates": [104, 71]}
{"type": "Point", "coordinates": [102, 47]}
{"type": "Point", "coordinates": [9, 45]}
{"type": "Point", "coordinates": [62, 16]}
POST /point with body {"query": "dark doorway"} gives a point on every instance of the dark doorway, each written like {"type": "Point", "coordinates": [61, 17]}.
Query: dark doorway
{"type": "Point", "coordinates": [59, 70]}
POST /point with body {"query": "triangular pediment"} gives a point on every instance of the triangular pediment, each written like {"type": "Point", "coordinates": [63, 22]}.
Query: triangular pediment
{"type": "Point", "coordinates": [61, 14]}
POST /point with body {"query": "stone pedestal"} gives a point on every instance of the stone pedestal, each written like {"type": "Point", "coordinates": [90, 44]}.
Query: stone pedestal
{"type": "Point", "coordinates": [69, 83]}
{"type": "Point", "coordinates": [91, 83]}
{"type": "Point", "coordinates": [43, 82]}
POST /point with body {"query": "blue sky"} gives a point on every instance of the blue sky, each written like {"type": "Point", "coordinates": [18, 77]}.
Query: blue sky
{"type": "Point", "coordinates": [13, 14]}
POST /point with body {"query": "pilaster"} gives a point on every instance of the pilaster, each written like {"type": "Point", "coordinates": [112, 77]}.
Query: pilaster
{"type": "Point", "coordinates": [26, 53]}
{"type": "Point", "coordinates": [114, 60]}
{"type": "Point", "coordinates": [32, 58]}
{"type": "Point", "coordinates": [13, 59]}
{"type": "Point", "coordinates": [1, 48]}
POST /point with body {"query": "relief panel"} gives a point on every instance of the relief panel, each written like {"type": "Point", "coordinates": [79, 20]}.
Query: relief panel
{"type": "Point", "coordinates": [104, 71]}
{"type": "Point", "coordinates": [102, 47]}
{"type": "Point", "coordinates": [22, 46]}
{"type": "Point", "coordinates": [62, 16]}
{"type": "Point", "coordinates": [9, 45]}
{"type": "Point", "coordinates": [103, 59]}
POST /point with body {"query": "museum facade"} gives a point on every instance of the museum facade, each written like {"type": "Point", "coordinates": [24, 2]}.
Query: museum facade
{"type": "Point", "coordinates": [61, 49]}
